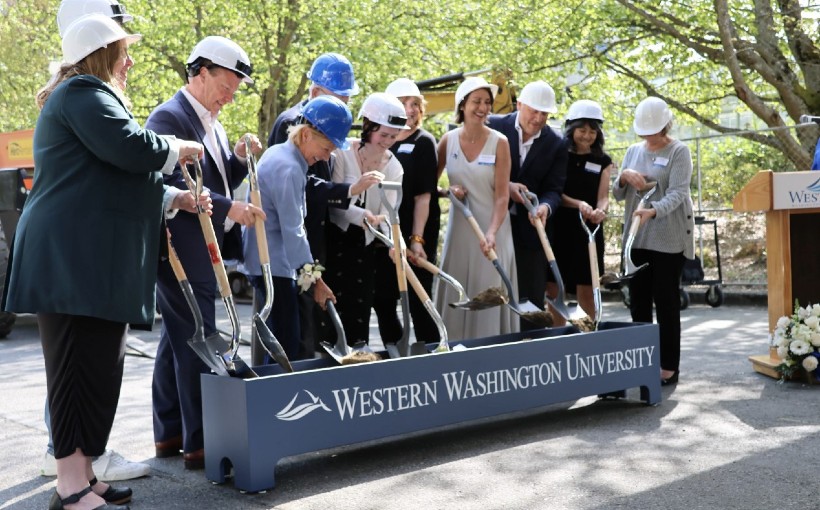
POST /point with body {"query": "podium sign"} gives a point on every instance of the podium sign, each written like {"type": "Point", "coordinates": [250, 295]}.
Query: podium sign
{"type": "Point", "coordinates": [795, 190]}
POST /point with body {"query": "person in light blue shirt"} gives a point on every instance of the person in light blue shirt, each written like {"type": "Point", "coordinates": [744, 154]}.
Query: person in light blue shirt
{"type": "Point", "coordinates": [282, 177]}
{"type": "Point", "coordinates": [816, 164]}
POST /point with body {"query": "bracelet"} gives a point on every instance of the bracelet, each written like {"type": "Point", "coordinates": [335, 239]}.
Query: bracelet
{"type": "Point", "coordinates": [417, 239]}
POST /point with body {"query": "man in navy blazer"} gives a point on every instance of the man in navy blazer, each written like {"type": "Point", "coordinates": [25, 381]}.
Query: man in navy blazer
{"type": "Point", "coordinates": [215, 68]}
{"type": "Point", "coordinates": [539, 165]}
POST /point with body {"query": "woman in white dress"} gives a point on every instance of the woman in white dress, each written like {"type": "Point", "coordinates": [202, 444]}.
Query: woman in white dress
{"type": "Point", "coordinates": [350, 249]}
{"type": "Point", "coordinates": [477, 160]}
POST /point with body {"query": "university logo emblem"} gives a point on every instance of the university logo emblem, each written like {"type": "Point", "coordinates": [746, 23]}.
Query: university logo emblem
{"type": "Point", "coordinates": [294, 411]}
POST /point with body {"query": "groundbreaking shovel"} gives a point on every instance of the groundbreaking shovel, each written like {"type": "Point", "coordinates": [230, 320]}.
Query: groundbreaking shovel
{"type": "Point", "coordinates": [592, 248]}
{"type": "Point", "coordinates": [443, 345]}
{"type": "Point", "coordinates": [429, 267]}
{"type": "Point", "coordinates": [531, 203]}
{"type": "Point", "coordinates": [260, 328]}
{"type": "Point", "coordinates": [227, 353]}
{"type": "Point", "coordinates": [524, 308]}
{"type": "Point", "coordinates": [340, 351]}
{"type": "Point", "coordinates": [208, 349]}
{"type": "Point", "coordinates": [631, 268]}
{"type": "Point", "coordinates": [403, 347]}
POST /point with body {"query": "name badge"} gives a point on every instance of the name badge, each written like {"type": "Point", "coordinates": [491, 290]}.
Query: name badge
{"type": "Point", "coordinates": [406, 148]}
{"type": "Point", "coordinates": [661, 161]}
{"type": "Point", "coordinates": [486, 159]}
{"type": "Point", "coordinates": [593, 167]}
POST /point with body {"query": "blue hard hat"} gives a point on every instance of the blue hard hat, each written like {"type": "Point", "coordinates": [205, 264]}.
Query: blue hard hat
{"type": "Point", "coordinates": [335, 73]}
{"type": "Point", "coordinates": [331, 117]}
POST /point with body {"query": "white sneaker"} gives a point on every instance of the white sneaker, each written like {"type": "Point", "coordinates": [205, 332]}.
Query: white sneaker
{"type": "Point", "coordinates": [109, 467]}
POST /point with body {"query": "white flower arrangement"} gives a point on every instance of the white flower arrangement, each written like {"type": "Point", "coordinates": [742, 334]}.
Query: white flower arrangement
{"type": "Point", "coordinates": [797, 339]}
{"type": "Point", "coordinates": [308, 275]}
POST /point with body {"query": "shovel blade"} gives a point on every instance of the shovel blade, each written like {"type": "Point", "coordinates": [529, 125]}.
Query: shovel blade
{"type": "Point", "coordinates": [560, 307]}
{"type": "Point", "coordinates": [208, 351]}
{"type": "Point", "coordinates": [271, 344]}
{"type": "Point", "coordinates": [333, 351]}
{"type": "Point", "coordinates": [418, 348]}
{"type": "Point", "coordinates": [392, 350]}
{"type": "Point", "coordinates": [242, 370]}
{"type": "Point", "coordinates": [525, 306]}
{"type": "Point", "coordinates": [473, 305]}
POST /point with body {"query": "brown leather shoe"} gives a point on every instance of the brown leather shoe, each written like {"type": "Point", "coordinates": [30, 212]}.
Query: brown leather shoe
{"type": "Point", "coordinates": [194, 459]}
{"type": "Point", "coordinates": [168, 448]}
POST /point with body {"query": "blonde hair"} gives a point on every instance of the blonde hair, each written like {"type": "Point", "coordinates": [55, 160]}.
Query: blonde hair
{"type": "Point", "coordinates": [100, 63]}
{"type": "Point", "coordinates": [295, 130]}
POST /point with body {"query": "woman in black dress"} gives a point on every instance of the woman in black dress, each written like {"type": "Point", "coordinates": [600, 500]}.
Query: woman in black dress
{"type": "Point", "coordinates": [419, 216]}
{"type": "Point", "coordinates": [586, 190]}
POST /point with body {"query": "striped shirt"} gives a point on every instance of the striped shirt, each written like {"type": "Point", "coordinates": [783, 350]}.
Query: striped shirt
{"type": "Point", "coordinates": [671, 231]}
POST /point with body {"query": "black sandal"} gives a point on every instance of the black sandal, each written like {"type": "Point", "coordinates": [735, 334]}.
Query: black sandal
{"type": "Point", "coordinates": [112, 495]}
{"type": "Point", "coordinates": [58, 503]}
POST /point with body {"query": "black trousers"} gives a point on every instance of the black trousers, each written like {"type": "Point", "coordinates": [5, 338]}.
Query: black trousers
{"type": "Point", "coordinates": [532, 279]}
{"type": "Point", "coordinates": [659, 283]}
{"type": "Point", "coordinates": [350, 275]}
{"type": "Point", "coordinates": [386, 295]}
{"type": "Point", "coordinates": [84, 362]}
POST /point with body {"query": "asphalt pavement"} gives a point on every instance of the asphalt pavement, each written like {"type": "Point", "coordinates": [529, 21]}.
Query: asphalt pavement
{"type": "Point", "coordinates": [724, 438]}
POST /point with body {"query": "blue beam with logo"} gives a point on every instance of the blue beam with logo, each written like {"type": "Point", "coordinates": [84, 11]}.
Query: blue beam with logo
{"type": "Point", "coordinates": [252, 424]}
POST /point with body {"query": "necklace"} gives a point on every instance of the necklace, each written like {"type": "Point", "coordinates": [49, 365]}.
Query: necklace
{"type": "Point", "coordinates": [368, 164]}
{"type": "Point", "coordinates": [474, 140]}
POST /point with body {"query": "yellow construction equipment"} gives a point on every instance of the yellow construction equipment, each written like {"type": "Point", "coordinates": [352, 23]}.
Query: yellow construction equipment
{"type": "Point", "coordinates": [440, 92]}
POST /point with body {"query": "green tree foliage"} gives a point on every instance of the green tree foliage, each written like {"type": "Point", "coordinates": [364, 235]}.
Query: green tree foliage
{"type": "Point", "coordinates": [694, 54]}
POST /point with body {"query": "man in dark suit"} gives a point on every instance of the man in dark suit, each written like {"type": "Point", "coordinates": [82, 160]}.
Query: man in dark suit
{"type": "Point", "coordinates": [331, 74]}
{"type": "Point", "coordinates": [215, 68]}
{"type": "Point", "coordinates": [539, 165]}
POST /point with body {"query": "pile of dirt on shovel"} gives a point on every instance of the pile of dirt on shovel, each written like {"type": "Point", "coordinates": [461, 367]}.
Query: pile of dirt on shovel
{"type": "Point", "coordinates": [585, 324]}
{"type": "Point", "coordinates": [360, 357]}
{"type": "Point", "coordinates": [493, 296]}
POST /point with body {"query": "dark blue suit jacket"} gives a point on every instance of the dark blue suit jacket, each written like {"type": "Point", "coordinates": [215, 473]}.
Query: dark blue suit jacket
{"type": "Point", "coordinates": [177, 117]}
{"type": "Point", "coordinates": [320, 192]}
{"type": "Point", "coordinates": [544, 172]}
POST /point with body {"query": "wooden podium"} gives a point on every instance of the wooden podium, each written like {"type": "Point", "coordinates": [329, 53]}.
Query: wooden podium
{"type": "Point", "coordinates": [792, 204]}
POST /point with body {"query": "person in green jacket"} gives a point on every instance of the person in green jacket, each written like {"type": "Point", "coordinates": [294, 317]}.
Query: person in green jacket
{"type": "Point", "coordinates": [87, 244]}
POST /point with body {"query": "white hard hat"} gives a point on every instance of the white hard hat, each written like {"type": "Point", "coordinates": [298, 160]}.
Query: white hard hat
{"type": "Point", "coordinates": [90, 33]}
{"type": "Point", "coordinates": [474, 83]}
{"type": "Point", "coordinates": [585, 109]}
{"type": "Point", "coordinates": [403, 87]}
{"type": "Point", "coordinates": [71, 10]}
{"type": "Point", "coordinates": [224, 53]}
{"type": "Point", "coordinates": [539, 95]}
{"type": "Point", "coordinates": [384, 109]}
{"type": "Point", "coordinates": [651, 116]}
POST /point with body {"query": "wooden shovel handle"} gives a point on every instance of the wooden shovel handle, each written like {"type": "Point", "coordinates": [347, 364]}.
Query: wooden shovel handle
{"type": "Point", "coordinates": [542, 235]}
{"type": "Point", "coordinates": [398, 258]}
{"type": "Point", "coordinates": [427, 265]}
{"type": "Point", "coordinates": [215, 255]}
{"type": "Point", "coordinates": [176, 265]}
{"type": "Point", "coordinates": [592, 248]}
{"type": "Point", "coordinates": [480, 235]}
{"type": "Point", "coordinates": [259, 227]}
{"type": "Point", "coordinates": [416, 284]}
